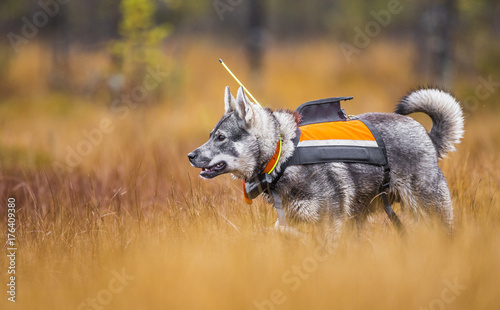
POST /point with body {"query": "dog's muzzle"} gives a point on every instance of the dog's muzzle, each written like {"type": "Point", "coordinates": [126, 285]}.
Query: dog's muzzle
{"type": "Point", "coordinates": [207, 171]}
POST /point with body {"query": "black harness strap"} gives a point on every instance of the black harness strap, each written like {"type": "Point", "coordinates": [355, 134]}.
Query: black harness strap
{"type": "Point", "coordinates": [386, 182]}
{"type": "Point", "coordinates": [392, 216]}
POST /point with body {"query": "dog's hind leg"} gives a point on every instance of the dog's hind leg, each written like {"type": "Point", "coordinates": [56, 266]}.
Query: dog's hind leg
{"type": "Point", "coordinates": [444, 206]}
{"type": "Point", "coordinates": [433, 199]}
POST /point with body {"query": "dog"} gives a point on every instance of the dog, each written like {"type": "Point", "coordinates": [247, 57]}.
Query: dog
{"type": "Point", "coordinates": [245, 138]}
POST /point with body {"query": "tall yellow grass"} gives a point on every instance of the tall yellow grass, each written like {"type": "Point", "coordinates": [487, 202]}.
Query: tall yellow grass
{"type": "Point", "coordinates": [135, 206]}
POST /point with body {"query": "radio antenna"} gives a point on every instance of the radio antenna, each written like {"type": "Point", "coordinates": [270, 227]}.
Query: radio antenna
{"type": "Point", "coordinates": [234, 77]}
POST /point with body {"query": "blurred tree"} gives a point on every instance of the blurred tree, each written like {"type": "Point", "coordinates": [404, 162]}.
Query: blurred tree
{"type": "Point", "coordinates": [445, 56]}
{"type": "Point", "coordinates": [479, 29]}
{"type": "Point", "coordinates": [436, 32]}
{"type": "Point", "coordinates": [256, 37]}
{"type": "Point", "coordinates": [60, 44]}
{"type": "Point", "coordinates": [139, 46]}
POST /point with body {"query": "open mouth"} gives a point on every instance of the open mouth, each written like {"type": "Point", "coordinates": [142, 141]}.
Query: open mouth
{"type": "Point", "coordinates": [212, 171]}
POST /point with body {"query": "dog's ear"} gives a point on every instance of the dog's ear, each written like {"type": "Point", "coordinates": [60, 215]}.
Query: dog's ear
{"type": "Point", "coordinates": [229, 101]}
{"type": "Point", "coordinates": [244, 108]}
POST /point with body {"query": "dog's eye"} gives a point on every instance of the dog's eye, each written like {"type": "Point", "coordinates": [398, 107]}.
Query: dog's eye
{"type": "Point", "coordinates": [221, 137]}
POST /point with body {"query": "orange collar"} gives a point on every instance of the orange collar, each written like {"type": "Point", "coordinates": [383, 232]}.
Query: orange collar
{"type": "Point", "coordinates": [274, 160]}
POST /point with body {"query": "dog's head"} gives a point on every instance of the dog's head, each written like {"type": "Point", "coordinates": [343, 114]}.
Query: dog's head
{"type": "Point", "coordinates": [233, 145]}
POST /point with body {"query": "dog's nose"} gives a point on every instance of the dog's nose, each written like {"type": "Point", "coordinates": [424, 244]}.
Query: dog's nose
{"type": "Point", "coordinates": [192, 156]}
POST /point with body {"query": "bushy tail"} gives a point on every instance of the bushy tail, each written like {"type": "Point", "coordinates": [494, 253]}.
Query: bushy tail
{"type": "Point", "coordinates": [445, 112]}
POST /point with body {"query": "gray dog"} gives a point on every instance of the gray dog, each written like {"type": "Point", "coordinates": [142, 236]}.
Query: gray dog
{"type": "Point", "coordinates": [245, 139]}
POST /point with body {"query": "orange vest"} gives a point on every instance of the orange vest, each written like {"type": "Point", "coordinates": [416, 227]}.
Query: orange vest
{"type": "Point", "coordinates": [325, 135]}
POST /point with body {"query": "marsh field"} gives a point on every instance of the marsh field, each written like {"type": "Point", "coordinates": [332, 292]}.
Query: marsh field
{"type": "Point", "coordinates": [110, 214]}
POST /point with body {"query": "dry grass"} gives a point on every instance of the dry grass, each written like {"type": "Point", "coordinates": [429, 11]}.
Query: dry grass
{"type": "Point", "coordinates": [135, 204]}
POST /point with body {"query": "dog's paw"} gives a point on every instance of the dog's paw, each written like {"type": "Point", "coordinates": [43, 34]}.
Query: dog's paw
{"type": "Point", "coordinates": [277, 225]}
{"type": "Point", "coordinates": [287, 230]}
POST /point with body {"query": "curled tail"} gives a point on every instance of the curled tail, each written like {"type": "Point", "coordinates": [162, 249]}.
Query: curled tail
{"type": "Point", "coordinates": [445, 112]}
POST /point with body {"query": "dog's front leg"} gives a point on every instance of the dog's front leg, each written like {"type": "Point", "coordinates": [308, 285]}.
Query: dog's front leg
{"type": "Point", "coordinates": [287, 229]}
